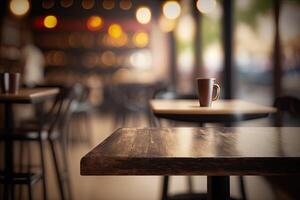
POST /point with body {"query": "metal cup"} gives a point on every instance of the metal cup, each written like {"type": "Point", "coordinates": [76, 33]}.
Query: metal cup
{"type": "Point", "coordinates": [4, 82]}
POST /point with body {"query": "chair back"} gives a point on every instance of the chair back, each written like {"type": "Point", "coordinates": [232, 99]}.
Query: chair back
{"type": "Point", "coordinates": [57, 116]}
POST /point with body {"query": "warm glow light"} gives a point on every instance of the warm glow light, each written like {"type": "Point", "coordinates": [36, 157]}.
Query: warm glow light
{"type": "Point", "coordinates": [115, 31]}
{"type": "Point", "coordinates": [114, 42]}
{"type": "Point", "coordinates": [182, 32]}
{"type": "Point", "coordinates": [165, 24]}
{"type": "Point", "coordinates": [19, 7]}
{"type": "Point", "coordinates": [140, 39]}
{"type": "Point", "coordinates": [121, 41]}
{"type": "Point", "coordinates": [143, 15]}
{"type": "Point", "coordinates": [108, 58]}
{"type": "Point", "coordinates": [206, 6]}
{"type": "Point", "coordinates": [185, 60]}
{"type": "Point", "coordinates": [171, 9]}
{"type": "Point", "coordinates": [141, 59]}
{"type": "Point", "coordinates": [88, 4]}
{"type": "Point", "coordinates": [50, 21]}
{"type": "Point", "coordinates": [108, 4]}
{"type": "Point", "coordinates": [125, 4]}
{"type": "Point", "coordinates": [94, 23]}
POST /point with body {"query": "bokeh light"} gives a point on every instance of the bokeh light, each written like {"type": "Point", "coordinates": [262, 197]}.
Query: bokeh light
{"type": "Point", "coordinates": [66, 3]}
{"type": "Point", "coordinates": [141, 39]}
{"type": "Point", "coordinates": [88, 4]}
{"type": "Point", "coordinates": [206, 6]}
{"type": "Point", "coordinates": [125, 4]}
{"type": "Point", "coordinates": [19, 7]}
{"type": "Point", "coordinates": [165, 24]}
{"type": "Point", "coordinates": [115, 31]}
{"type": "Point", "coordinates": [108, 58]}
{"type": "Point", "coordinates": [50, 21]}
{"type": "Point", "coordinates": [94, 23]}
{"type": "Point", "coordinates": [121, 41]}
{"type": "Point", "coordinates": [74, 40]}
{"type": "Point", "coordinates": [141, 59]}
{"type": "Point", "coordinates": [171, 9]}
{"type": "Point", "coordinates": [143, 15]}
{"type": "Point", "coordinates": [108, 4]}
{"type": "Point", "coordinates": [182, 32]}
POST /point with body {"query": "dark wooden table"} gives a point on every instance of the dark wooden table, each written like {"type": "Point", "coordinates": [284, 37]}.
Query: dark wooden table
{"type": "Point", "coordinates": [24, 96]}
{"type": "Point", "coordinates": [215, 152]}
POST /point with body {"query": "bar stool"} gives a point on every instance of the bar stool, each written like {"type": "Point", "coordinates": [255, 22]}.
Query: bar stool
{"type": "Point", "coordinates": [81, 111]}
{"type": "Point", "coordinates": [47, 128]}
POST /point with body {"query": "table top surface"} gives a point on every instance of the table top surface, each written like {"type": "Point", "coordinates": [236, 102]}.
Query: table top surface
{"type": "Point", "coordinates": [196, 151]}
{"type": "Point", "coordinates": [29, 95]}
{"type": "Point", "coordinates": [219, 107]}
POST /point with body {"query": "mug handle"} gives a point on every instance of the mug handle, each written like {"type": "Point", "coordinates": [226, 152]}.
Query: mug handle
{"type": "Point", "coordinates": [217, 93]}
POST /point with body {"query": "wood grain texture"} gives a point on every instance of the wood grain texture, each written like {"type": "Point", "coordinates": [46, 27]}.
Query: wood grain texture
{"type": "Point", "coordinates": [32, 95]}
{"type": "Point", "coordinates": [196, 151]}
{"type": "Point", "coordinates": [163, 106]}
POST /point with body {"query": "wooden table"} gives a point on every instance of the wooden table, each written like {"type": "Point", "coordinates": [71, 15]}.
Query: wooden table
{"type": "Point", "coordinates": [221, 111]}
{"type": "Point", "coordinates": [215, 152]}
{"type": "Point", "coordinates": [24, 96]}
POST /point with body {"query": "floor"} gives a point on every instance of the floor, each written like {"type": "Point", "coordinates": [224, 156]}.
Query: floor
{"type": "Point", "coordinates": [129, 187]}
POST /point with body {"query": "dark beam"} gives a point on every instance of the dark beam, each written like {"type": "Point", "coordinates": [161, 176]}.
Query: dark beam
{"type": "Point", "coordinates": [277, 71]}
{"type": "Point", "coordinates": [228, 75]}
{"type": "Point", "coordinates": [198, 67]}
{"type": "Point", "coordinates": [172, 60]}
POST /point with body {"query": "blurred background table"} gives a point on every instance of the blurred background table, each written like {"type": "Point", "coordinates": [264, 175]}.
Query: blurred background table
{"type": "Point", "coordinates": [24, 96]}
{"type": "Point", "coordinates": [221, 111]}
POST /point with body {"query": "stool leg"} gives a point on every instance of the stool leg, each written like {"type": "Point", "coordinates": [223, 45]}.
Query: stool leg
{"type": "Point", "coordinates": [87, 122]}
{"type": "Point", "coordinates": [42, 155]}
{"type": "Point", "coordinates": [165, 188]}
{"type": "Point", "coordinates": [58, 175]}
{"type": "Point", "coordinates": [218, 187]}
{"type": "Point", "coordinates": [242, 187]}
{"type": "Point", "coordinates": [190, 184]}
{"type": "Point", "coordinates": [29, 191]}
{"type": "Point", "coordinates": [64, 151]}
{"type": "Point", "coordinates": [21, 162]}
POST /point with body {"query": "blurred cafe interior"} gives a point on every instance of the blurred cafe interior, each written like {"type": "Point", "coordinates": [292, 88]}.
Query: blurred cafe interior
{"type": "Point", "coordinates": [105, 60]}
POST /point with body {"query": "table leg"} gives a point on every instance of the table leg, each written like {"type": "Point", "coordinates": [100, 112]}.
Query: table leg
{"type": "Point", "coordinates": [8, 146]}
{"type": "Point", "coordinates": [218, 187]}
